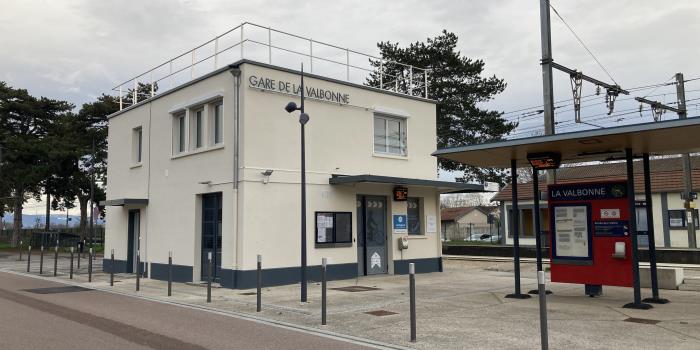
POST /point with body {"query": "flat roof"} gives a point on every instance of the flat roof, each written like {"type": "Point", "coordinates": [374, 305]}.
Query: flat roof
{"type": "Point", "coordinates": [442, 186]}
{"type": "Point", "coordinates": [237, 64]}
{"type": "Point", "coordinates": [656, 138]}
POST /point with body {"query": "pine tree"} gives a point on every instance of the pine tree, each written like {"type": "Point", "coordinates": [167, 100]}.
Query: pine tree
{"type": "Point", "coordinates": [457, 84]}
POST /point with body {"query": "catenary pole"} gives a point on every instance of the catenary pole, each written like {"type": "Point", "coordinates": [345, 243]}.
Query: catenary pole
{"type": "Point", "coordinates": [687, 167]}
{"type": "Point", "coordinates": [547, 84]}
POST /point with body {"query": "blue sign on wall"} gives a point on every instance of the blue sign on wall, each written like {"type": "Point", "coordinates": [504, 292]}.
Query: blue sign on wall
{"type": "Point", "coordinates": [587, 191]}
{"type": "Point", "coordinates": [400, 223]}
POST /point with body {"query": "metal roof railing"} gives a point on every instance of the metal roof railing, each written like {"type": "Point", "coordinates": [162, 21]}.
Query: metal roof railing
{"type": "Point", "coordinates": [255, 42]}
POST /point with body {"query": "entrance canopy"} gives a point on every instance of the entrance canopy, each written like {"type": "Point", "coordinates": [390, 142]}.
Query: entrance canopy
{"type": "Point", "coordinates": [441, 186]}
{"type": "Point", "coordinates": [120, 202]}
{"type": "Point", "coordinates": [657, 138]}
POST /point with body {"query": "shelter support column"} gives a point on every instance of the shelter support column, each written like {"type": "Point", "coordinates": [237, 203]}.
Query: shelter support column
{"type": "Point", "coordinates": [655, 299]}
{"type": "Point", "coordinates": [515, 228]}
{"type": "Point", "coordinates": [632, 229]}
{"type": "Point", "coordinates": [536, 229]}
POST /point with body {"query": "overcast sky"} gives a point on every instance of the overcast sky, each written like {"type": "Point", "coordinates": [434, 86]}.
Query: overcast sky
{"type": "Point", "coordinates": [76, 50]}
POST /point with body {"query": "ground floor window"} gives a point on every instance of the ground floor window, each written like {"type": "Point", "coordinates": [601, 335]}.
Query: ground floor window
{"type": "Point", "coordinates": [333, 227]}
{"type": "Point", "coordinates": [414, 214]}
{"type": "Point", "coordinates": [677, 218]}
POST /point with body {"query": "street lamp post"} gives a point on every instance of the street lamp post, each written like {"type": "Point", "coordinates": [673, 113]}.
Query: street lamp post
{"type": "Point", "coordinates": [303, 119]}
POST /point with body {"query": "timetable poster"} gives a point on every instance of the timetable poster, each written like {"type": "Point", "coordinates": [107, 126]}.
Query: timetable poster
{"type": "Point", "coordinates": [571, 231]}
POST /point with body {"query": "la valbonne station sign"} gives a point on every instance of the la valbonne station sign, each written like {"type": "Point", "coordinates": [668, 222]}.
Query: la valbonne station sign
{"type": "Point", "coordinates": [286, 87]}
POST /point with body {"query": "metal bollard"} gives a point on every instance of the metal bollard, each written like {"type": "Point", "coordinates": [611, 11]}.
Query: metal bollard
{"type": "Point", "coordinates": [324, 266]}
{"type": "Point", "coordinates": [209, 277]}
{"type": "Point", "coordinates": [543, 310]}
{"type": "Point", "coordinates": [55, 260]}
{"type": "Point", "coordinates": [90, 266]}
{"type": "Point", "coordinates": [412, 290]}
{"type": "Point", "coordinates": [138, 270]}
{"type": "Point", "coordinates": [111, 269]}
{"type": "Point", "coordinates": [20, 250]}
{"type": "Point", "coordinates": [29, 257]}
{"type": "Point", "coordinates": [259, 294]}
{"type": "Point", "coordinates": [170, 273]}
{"type": "Point", "coordinates": [41, 261]}
{"type": "Point", "coordinates": [71, 262]}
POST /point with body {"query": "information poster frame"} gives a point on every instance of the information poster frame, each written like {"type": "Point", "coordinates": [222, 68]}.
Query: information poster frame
{"type": "Point", "coordinates": [587, 260]}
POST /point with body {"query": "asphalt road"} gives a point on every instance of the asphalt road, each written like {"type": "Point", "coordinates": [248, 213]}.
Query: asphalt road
{"type": "Point", "coordinates": [88, 319]}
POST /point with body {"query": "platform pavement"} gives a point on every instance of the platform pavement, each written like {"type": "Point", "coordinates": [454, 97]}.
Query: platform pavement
{"type": "Point", "coordinates": [461, 308]}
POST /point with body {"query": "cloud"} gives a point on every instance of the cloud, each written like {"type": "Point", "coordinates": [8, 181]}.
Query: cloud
{"type": "Point", "coordinates": [78, 49]}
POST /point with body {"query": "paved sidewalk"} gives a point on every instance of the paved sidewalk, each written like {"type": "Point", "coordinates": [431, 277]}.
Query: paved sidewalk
{"type": "Point", "coordinates": [461, 308]}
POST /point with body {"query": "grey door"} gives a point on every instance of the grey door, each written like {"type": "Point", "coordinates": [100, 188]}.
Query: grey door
{"type": "Point", "coordinates": [133, 240]}
{"type": "Point", "coordinates": [372, 235]}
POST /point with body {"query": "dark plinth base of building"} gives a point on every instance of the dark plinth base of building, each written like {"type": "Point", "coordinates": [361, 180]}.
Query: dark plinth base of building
{"type": "Point", "coordinates": [638, 306]}
{"type": "Point", "coordinates": [656, 301]}
{"type": "Point", "coordinates": [535, 292]}
{"type": "Point", "coordinates": [517, 296]}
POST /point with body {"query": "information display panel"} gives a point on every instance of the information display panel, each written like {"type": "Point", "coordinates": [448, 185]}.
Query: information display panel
{"type": "Point", "coordinates": [572, 236]}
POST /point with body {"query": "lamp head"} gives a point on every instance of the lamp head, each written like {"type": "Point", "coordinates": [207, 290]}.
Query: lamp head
{"type": "Point", "coordinates": [303, 118]}
{"type": "Point", "coordinates": [291, 107]}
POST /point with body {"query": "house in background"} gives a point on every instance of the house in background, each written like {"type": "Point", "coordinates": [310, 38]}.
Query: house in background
{"type": "Point", "coordinates": [462, 222]}
{"type": "Point", "coordinates": [670, 226]}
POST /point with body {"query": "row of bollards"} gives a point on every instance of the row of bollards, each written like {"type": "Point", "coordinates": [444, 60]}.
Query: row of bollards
{"type": "Point", "coordinates": [324, 279]}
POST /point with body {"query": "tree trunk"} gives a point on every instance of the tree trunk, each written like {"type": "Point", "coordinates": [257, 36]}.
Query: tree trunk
{"type": "Point", "coordinates": [17, 220]}
{"type": "Point", "coordinates": [83, 216]}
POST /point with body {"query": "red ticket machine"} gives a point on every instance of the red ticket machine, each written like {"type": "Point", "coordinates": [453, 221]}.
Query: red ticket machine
{"type": "Point", "coordinates": [590, 235]}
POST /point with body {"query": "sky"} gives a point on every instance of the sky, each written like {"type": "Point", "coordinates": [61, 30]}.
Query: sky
{"type": "Point", "coordinates": [78, 49]}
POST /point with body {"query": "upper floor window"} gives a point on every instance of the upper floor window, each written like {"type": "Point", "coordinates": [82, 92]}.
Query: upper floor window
{"type": "Point", "coordinates": [136, 145]}
{"type": "Point", "coordinates": [180, 133]}
{"type": "Point", "coordinates": [217, 123]}
{"type": "Point", "coordinates": [389, 135]}
{"type": "Point", "coordinates": [198, 131]}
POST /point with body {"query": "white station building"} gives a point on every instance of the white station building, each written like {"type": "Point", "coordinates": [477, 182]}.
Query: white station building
{"type": "Point", "coordinates": [213, 165]}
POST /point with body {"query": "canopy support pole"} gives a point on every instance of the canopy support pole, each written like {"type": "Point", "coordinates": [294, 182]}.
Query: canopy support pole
{"type": "Point", "coordinates": [632, 230]}
{"type": "Point", "coordinates": [515, 228]}
{"type": "Point", "coordinates": [655, 299]}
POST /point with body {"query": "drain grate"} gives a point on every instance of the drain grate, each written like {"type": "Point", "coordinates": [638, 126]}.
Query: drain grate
{"type": "Point", "coordinates": [354, 289]}
{"type": "Point", "coordinates": [641, 320]}
{"type": "Point", "coordinates": [56, 290]}
{"type": "Point", "coordinates": [248, 293]}
{"type": "Point", "coordinates": [381, 313]}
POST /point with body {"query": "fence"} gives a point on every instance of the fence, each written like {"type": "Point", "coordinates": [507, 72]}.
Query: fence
{"type": "Point", "coordinates": [471, 232]}
{"type": "Point", "coordinates": [66, 237]}
{"type": "Point", "coordinates": [267, 45]}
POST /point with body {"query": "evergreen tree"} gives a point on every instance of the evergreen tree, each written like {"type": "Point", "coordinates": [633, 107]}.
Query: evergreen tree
{"type": "Point", "coordinates": [457, 84]}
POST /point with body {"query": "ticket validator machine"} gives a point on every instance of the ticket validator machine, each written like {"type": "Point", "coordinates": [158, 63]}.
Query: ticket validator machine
{"type": "Point", "coordinates": [590, 235]}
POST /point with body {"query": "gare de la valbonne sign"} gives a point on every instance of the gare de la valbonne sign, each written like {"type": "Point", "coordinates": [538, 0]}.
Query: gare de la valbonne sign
{"type": "Point", "coordinates": [286, 87]}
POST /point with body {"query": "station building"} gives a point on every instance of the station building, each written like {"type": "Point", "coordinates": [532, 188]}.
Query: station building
{"type": "Point", "coordinates": [213, 165]}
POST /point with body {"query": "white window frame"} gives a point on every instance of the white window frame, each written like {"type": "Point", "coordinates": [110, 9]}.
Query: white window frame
{"type": "Point", "coordinates": [137, 145]}
{"type": "Point", "coordinates": [212, 122]}
{"type": "Point", "coordinates": [403, 135]}
{"type": "Point", "coordinates": [197, 134]}
{"type": "Point", "coordinates": [180, 133]}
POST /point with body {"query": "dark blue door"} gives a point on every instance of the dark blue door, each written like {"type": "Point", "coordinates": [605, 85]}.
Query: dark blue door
{"type": "Point", "coordinates": [211, 234]}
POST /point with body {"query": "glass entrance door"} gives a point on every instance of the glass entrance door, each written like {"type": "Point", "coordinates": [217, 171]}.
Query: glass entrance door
{"type": "Point", "coordinates": [372, 235]}
{"type": "Point", "coordinates": [133, 240]}
{"type": "Point", "coordinates": [211, 234]}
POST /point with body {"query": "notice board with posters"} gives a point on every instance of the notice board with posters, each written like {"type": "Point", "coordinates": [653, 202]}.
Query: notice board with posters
{"type": "Point", "coordinates": [589, 224]}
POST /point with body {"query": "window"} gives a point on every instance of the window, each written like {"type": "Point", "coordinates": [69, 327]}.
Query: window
{"type": "Point", "coordinates": [414, 215]}
{"type": "Point", "coordinates": [217, 130]}
{"type": "Point", "coordinates": [333, 227]}
{"type": "Point", "coordinates": [197, 133]}
{"type": "Point", "coordinates": [389, 135]}
{"type": "Point", "coordinates": [136, 145]}
{"type": "Point", "coordinates": [677, 218]}
{"type": "Point", "coordinates": [181, 132]}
